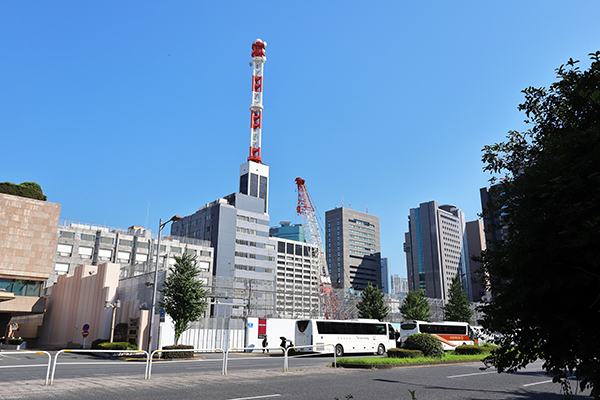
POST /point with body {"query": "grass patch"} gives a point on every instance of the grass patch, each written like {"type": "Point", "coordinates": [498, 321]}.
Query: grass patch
{"type": "Point", "coordinates": [450, 356]}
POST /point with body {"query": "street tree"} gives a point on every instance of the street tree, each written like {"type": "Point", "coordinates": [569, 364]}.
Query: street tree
{"type": "Point", "coordinates": [416, 306]}
{"type": "Point", "coordinates": [545, 275]}
{"type": "Point", "coordinates": [371, 304]}
{"type": "Point", "coordinates": [458, 307]}
{"type": "Point", "coordinates": [183, 297]}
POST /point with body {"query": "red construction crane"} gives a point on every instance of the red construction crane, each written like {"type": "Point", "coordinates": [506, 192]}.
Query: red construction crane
{"type": "Point", "coordinates": [329, 304]}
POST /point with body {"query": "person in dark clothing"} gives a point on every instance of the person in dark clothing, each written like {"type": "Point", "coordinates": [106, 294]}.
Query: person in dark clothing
{"type": "Point", "coordinates": [265, 344]}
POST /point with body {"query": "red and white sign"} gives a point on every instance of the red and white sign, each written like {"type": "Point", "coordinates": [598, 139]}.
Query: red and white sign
{"type": "Point", "coordinates": [85, 333]}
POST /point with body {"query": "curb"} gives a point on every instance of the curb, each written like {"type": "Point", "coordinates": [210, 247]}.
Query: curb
{"type": "Point", "coordinates": [407, 365]}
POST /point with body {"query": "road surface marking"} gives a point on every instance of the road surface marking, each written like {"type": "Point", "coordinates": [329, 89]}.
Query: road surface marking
{"type": "Point", "coordinates": [257, 397]}
{"type": "Point", "coordinates": [477, 373]}
{"type": "Point", "coordinates": [538, 383]}
{"type": "Point", "coordinates": [24, 366]}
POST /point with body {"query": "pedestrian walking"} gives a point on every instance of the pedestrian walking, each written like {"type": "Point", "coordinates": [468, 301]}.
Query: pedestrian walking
{"type": "Point", "coordinates": [265, 344]}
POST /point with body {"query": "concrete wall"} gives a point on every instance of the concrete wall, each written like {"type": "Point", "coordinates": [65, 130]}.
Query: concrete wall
{"type": "Point", "coordinates": [27, 237]}
{"type": "Point", "coordinates": [79, 299]}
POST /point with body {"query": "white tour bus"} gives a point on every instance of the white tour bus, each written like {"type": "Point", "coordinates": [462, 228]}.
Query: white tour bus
{"type": "Point", "coordinates": [451, 334]}
{"type": "Point", "coordinates": [346, 336]}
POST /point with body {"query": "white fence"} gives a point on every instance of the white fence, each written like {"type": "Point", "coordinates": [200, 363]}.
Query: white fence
{"type": "Point", "coordinates": [208, 333]}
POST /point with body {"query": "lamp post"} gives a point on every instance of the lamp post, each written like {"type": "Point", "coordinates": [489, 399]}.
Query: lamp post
{"type": "Point", "coordinates": [114, 306]}
{"type": "Point", "coordinates": [161, 225]}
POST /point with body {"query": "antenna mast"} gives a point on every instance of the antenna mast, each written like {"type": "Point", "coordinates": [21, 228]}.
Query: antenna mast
{"type": "Point", "coordinates": [257, 64]}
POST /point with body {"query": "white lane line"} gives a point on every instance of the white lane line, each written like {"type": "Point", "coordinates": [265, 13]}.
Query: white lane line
{"type": "Point", "coordinates": [538, 383]}
{"type": "Point", "coordinates": [24, 366]}
{"type": "Point", "coordinates": [474, 374]}
{"type": "Point", "coordinates": [257, 397]}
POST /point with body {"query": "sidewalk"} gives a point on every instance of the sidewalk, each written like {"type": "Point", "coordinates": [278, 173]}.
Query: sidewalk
{"type": "Point", "coordinates": [36, 389]}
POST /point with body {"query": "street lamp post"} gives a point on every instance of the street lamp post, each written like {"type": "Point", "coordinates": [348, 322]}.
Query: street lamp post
{"type": "Point", "coordinates": [114, 306]}
{"type": "Point", "coordinates": [161, 225]}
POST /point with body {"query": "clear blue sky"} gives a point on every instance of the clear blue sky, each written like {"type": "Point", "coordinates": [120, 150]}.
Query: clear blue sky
{"type": "Point", "coordinates": [125, 112]}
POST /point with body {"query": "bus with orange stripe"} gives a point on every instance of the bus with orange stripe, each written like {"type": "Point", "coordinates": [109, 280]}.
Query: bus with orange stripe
{"type": "Point", "coordinates": [450, 334]}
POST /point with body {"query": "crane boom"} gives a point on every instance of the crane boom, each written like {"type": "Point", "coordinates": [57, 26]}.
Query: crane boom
{"type": "Point", "coordinates": [329, 304]}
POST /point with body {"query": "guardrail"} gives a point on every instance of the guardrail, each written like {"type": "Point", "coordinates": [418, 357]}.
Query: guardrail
{"type": "Point", "coordinates": [149, 363]}
{"type": "Point", "coordinates": [150, 357]}
{"type": "Point", "coordinates": [21, 352]}
{"type": "Point", "coordinates": [97, 351]}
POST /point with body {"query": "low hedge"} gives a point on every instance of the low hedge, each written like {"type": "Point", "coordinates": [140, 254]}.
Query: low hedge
{"type": "Point", "coordinates": [96, 343]}
{"type": "Point", "coordinates": [404, 353]}
{"type": "Point", "coordinates": [169, 355]}
{"type": "Point", "coordinates": [467, 349]}
{"type": "Point", "coordinates": [117, 346]}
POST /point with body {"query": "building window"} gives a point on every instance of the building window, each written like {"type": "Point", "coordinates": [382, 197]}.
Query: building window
{"type": "Point", "coordinates": [85, 252]}
{"type": "Point", "coordinates": [64, 250]}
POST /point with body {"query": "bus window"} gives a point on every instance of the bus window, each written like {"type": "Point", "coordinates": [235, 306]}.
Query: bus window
{"type": "Point", "coordinates": [302, 325]}
{"type": "Point", "coordinates": [409, 326]}
{"type": "Point", "coordinates": [380, 329]}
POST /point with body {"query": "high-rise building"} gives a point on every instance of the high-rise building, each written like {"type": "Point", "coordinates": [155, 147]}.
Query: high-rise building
{"type": "Point", "coordinates": [476, 241]}
{"type": "Point", "coordinates": [436, 248]}
{"type": "Point", "coordinates": [238, 229]}
{"type": "Point", "coordinates": [297, 280]}
{"type": "Point", "coordinates": [352, 248]}
{"type": "Point", "coordinates": [399, 285]}
{"type": "Point", "coordinates": [495, 229]}
{"type": "Point", "coordinates": [287, 230]}
{"type": "Point", "coordinates": [385, 275]}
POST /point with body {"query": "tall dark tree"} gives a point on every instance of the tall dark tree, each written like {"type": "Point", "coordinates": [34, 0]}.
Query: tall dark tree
{"type": "Point", "coordinates": [545, 275]}
{"type": "Point", "coordinates": [458, 307]}
{"type": "Point", "coordinates": [416, 306]}
{"type": "Point", "coordinates": [184, 298]}
{"type": "Point", "coordinates": [371, 304]}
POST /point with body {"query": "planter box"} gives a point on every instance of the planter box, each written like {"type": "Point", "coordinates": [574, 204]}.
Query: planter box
{"type": "Point", "coordinates": [21, 346]}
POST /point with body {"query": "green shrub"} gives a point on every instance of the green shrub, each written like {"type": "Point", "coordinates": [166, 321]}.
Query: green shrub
{"type": "Point", "coordinates": [96, 343]}
{"type": "Point", "coordinates": [177, 354]}
{"type": "Point", "coordinates": [117, 346]}
{"type": "Point", "coordinates": [428, 344]}
{"type": "Point", "coordinates": [404, 353]}
{"type": "Point", "coordinates": [25, 189]}
{"type": "Point", "coordinates": [15, 341]}
{"type": "Point", "coordinates": [466, 349]}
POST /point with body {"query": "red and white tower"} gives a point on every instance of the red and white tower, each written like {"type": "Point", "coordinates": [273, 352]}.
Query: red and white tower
{"type": "Point", "coordinates": [254, 175]}
{"type": "Point", "coordinates": [257, 64]}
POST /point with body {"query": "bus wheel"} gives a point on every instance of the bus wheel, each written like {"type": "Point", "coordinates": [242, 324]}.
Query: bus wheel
{"type": "Point", "coordinates": [380, 350]}
{"type": "Point", "coordinates": [339, 350]}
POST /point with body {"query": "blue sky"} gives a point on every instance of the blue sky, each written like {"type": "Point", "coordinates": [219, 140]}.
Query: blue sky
{"type": "Point", "coordinates": [130, 111]}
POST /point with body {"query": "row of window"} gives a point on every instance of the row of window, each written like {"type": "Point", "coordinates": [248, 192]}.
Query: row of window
{"type": "Point", "coordinates": [361, 233]}
{"type": "Point", "coordinates": [247, 219]}
{"type": "Point", "coordinates": [21, 287]}
{"type": "Point", "coordinates": [254, 256]}
{"type": "Point", "coordinates": [240, 229]}
{"type": "Point", "coordinates": [254, 268]}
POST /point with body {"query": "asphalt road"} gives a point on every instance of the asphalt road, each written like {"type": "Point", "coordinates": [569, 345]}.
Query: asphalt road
{"type": "Point", "coordinates": [257, 377]}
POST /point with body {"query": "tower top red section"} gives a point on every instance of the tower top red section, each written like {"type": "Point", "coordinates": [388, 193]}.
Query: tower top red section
{"type": "Point", "coordinates": [258, 48]}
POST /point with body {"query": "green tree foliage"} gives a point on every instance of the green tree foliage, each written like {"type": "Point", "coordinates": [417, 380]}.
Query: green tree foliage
{"type": "Point", "coordinates": [30, 190]}
{"type": "Point", "coordinates": [545, 275]}
{"type": "Point", "coordinates": [371, 304]}
{"type": "Point", "coordinates": [458, 307]}
{"type": "Point", "coordinates": [184, 299]}
{"type": "Point", "coordinates": [416, 306]}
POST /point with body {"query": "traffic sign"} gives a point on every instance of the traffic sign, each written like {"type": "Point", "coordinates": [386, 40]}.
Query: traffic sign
{"type": "Point", "coordinates": [86, 327]}
{"type": "Point", "coordinates": [85, 333]}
